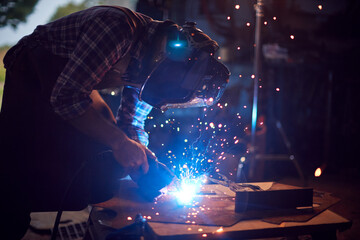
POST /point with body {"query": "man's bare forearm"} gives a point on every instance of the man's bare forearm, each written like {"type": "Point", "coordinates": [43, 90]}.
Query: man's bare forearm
{"type": "Point", "coordinates": [99, 123]}
{"type": "Point", "coordinates": [129, 153]}
{"type": "Point", "coordinates": [93, 124]}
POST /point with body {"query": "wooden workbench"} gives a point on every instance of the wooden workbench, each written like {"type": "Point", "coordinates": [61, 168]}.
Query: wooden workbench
{"type": "Point", "coordinates": [120, 211]}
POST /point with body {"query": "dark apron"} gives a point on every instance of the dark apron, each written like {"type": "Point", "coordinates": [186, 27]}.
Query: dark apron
{"type": "Point", "coordinates": [41, 154]}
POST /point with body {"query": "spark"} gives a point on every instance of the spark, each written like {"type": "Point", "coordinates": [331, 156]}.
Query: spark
{"type": "Point", "coordinates": [248, 24]}
{"type": "Point", "coordinates": [318, 172]}
{"type": "Point", "coordinates": [320, 7]}
{"type": "Point", "coordinates": [200, 156]}
{"type": "Point", "coordinates": [237, 6]}
{"type": "Point", "coordinates": [292, 37]}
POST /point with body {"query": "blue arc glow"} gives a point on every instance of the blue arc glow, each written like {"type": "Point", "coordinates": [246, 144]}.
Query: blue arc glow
{"type": "Point", "coordinates": [187, 191]}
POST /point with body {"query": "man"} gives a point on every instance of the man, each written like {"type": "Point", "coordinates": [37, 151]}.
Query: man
{"type": "Point", "coordinates": [55, 125]}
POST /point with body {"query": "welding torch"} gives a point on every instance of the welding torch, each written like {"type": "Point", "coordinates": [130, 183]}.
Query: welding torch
{"type": "Point", "coordinates": [149, 184]}
{"type": "Point", "coordinates": [158, 177]}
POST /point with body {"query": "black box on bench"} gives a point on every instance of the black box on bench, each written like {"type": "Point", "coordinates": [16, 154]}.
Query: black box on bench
{"type": "Point", "coordinates": [279, 196]}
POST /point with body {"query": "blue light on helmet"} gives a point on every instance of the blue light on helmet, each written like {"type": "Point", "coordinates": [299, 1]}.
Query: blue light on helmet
{"type": "Point", "coordinates": [177, 43]}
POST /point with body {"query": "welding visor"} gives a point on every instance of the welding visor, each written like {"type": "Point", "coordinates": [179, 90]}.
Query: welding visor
{"type": "Point", "coordinates": [197, 81]}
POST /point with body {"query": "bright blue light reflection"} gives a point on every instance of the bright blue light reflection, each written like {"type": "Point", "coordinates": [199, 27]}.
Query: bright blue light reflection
{"type": "Point", "coordinates": [176, 44]}
{"type": "Point", "coordinates": [187, 190]}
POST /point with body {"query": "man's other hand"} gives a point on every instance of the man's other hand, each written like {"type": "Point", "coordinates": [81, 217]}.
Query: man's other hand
{"type": "Point", "coordinates": [137, 173]}
{"type": "Point", "coordinates": [133, 156]}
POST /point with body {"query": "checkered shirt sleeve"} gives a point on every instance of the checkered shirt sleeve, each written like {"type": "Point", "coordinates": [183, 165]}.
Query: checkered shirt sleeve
{"type": "Point", "coordinates": [102, 41]}
{"type": "Point", "coordinates": [132, 115]}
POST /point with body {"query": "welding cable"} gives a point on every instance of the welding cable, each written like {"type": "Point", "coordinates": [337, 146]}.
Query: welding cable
{"type": "Point", "coordinates": [59, 213]}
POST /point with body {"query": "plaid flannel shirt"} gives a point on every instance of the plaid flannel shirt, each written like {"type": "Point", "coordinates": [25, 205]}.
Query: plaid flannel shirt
{"type": "Point", "coordinates": [94, 40]}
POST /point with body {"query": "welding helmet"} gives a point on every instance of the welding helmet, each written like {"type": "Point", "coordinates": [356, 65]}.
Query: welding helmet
{"type": "Point", "coordinates": [187, 74]}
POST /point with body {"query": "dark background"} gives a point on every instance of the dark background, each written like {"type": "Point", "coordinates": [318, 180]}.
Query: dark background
{"type": "Point", "coordinates": [316, 73]}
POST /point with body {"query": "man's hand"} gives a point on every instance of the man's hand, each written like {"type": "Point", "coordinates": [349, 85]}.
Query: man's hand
{"type": "Point", "coordinates": [136, 173]}
{"type": "Point", "coordinates": [132, 155]}
{"type": "Point", "coordinates": [94, 123]}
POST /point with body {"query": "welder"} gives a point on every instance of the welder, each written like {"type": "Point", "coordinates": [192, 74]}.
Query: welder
{"type": "Point", "coordinates": [54, 125]}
